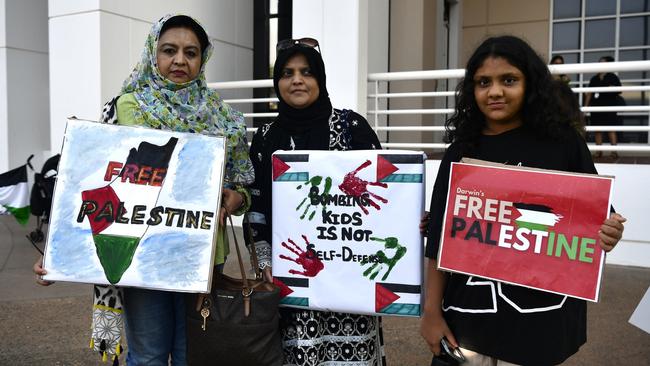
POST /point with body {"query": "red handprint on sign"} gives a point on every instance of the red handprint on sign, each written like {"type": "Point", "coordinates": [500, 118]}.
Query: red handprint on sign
{"type": "Point", "coordinates": [307, 259]}
{"type": "Point", "coordinates": [357, 187]}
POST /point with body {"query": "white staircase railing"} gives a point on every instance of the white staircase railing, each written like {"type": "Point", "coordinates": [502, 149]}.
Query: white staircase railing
{"type": "Point", "coordinates": [379, 98]}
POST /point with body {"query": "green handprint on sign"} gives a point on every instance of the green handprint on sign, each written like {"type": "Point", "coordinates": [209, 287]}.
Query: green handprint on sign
{"type": "Point", "coordinates": [314, 196]}
{"type": "Point", "coordinates": [389, 243]}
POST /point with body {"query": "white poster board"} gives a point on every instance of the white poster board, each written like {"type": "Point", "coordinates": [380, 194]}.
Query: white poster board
{"type": "Point", "coordinates": [135, 207]}
{"type": "Point", "coordinates": [346, 230]}
{"type": "Point", "coordinates": [641, 316]}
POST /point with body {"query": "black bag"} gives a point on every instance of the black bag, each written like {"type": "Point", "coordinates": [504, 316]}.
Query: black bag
{"type": "Point", "coordinates": [237, 323]}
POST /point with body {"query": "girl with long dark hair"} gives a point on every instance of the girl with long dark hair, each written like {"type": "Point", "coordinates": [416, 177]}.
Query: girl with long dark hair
{"type": "Point", "coordinates": [507, 111]}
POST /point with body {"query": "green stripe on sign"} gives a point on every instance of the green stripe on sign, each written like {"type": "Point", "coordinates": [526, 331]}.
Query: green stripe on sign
{"type": "Point", "coordinates": [21, 214]}
{"type": "Point", "coordinates": [402, 309]}
{"type": "Point", "coordinates": [403, 178]}
{"type": "Point", "coordinates": [115, 254]}
{"type": "Point", "coordinates": [531, 226]}
{"type": "Point", "coordinates": [293, 177]}
{"type": "Point", "coordinates": [295, 301]}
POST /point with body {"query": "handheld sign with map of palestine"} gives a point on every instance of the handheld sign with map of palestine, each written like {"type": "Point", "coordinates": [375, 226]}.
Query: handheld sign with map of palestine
{"type": "Point", "coordinates": [530, 227]}
{"type": "Point", "coordinates": [135, 207]}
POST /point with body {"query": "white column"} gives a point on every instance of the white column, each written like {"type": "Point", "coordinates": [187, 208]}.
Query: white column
{"type": "Point", "coordinates": [24, 127]}
{"type": "Point", "coordinates": [75, 62]}
{"type": "Point", "coordinates": [341, 27]}
{"type": "Point", "coordinates": [4, 128]}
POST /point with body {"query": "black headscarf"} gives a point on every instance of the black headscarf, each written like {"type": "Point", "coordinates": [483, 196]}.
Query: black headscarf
{"type": "Point", "coordinates": [310, 124]}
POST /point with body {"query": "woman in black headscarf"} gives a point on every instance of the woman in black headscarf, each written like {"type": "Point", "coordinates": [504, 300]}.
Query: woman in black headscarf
{"type": "Point", "coordinates": [307, 121]}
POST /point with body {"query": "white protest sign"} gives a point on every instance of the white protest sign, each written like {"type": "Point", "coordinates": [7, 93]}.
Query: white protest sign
{"type": "Point", "coordinates": [345, 230]}
{"type": "Point", "coordinates": [641, 315]}
{"type": "Point", "coordinates": [135, 207]}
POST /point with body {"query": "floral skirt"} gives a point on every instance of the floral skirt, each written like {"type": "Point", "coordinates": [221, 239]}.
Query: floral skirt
{"type": "Point", "coordinates": [331, 339]}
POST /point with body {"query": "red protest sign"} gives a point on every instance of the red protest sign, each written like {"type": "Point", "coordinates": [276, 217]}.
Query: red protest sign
{"type": "Point", "coordinates": [530, 227]}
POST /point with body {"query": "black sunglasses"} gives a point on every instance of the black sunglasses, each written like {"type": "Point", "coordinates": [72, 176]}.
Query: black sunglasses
{"type": "Point", "coordinates": [302, 42]}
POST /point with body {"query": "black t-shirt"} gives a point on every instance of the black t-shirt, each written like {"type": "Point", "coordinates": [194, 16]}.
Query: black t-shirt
{"type": "Point", "coordinates": [512, 323]}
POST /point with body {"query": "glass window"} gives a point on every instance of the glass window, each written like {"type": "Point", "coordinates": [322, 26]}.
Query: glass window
{"type": "Point", "coordinates": [569, 58]}
{"type": "Point", "coordinates": [634, 6]}
{"type": "Point", "coordinates": [600, 7]}
{"type": "Point", "coordinates": [566, 36]}
{"type": "Point", "coordinates": [600, 33]}
{"type": "Point", "coordinates": [635, 31]}
{"type": "Point", "coordinates": [633, 55]}
{"type": "Point", "coordinates": [563, 9]}
{"type": "Point", "coordinates": [599, 19]}
{"type": "Point", "coordinates": [595, 56]}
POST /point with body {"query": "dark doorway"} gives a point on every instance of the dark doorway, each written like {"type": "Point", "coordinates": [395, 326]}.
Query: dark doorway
{"type": "Point", "coordinates": [272, 23]}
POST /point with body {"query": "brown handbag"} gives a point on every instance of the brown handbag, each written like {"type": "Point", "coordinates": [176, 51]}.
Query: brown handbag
{"type": "Point", "coordinates": [237, 323]}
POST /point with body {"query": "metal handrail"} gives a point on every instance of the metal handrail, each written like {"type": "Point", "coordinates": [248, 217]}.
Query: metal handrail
{"type": "Point", "coordinates": [454, 74]}
{"type": "Point", "coordinates": [442, 146]}
{"type": "Point", "coordinates": [376, 78]}
{"type": "Point", "coordinates": [417, 75]}
{"type": "Point", "coordinates": [242, 84]}
{"type": "Point", "coordinates": [442, 128]}
{"type": "Point", "coordinates": [599, 89]}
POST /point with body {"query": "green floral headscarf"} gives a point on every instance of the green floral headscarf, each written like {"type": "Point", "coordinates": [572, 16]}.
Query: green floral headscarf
{"type": "Point", "coordinates": [188, 107]}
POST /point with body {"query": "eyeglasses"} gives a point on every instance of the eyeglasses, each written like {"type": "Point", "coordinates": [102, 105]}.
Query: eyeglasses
{"type": "Point", "coordinates": [302, 42]}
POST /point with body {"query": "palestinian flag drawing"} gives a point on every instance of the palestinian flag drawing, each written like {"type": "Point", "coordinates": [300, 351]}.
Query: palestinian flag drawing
{"type": "Point", "coordinates": [400, 168]}
{"type": "Point", "coordinates": [140, 180]}
{"type": "Point", "coordinates": [536, 217]}
{"type": "Point", "coordinates": [397, 299]}
{"type": "Point", "coordinates": [293, 291]}
{"type": "Point", "coordinates": [14, 194]}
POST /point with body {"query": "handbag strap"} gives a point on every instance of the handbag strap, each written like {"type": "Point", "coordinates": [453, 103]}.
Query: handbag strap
{"type": "Point", "coordinates": [255, 262]}
{"type": "Point", "coordinates": [246, 288]}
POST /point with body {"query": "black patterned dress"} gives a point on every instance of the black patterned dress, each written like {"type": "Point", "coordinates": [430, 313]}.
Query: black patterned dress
{"type": "Point", "coordinates": [314, 337]}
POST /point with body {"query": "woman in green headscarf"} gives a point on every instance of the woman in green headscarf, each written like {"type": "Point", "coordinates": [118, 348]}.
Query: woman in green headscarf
{"type": "Point", "coordinates": [167, 90]}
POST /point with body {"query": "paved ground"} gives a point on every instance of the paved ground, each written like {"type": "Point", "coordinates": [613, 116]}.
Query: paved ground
{"type": "Point", "coordinates": [50, 325]}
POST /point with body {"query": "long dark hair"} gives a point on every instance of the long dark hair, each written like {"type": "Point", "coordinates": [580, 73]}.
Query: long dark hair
{"type": "Point", "coordinates": [569, 106]}
{"type": "Point", "coordinates": [540, 109]}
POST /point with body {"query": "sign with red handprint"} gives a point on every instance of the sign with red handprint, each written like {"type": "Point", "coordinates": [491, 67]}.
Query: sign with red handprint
{"type": "Point", "coordinates": [345, 230]}
{"type": "Point", "coordinates": [308, 260]}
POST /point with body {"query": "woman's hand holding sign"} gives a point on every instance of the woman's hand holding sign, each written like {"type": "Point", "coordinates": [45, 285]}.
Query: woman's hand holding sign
{"type": "Point", "coordinates": [231, 202]}
{"type": "Point", "coordinates": [40, 272]}
{"type": "Point", "coordinates": [611, 231]}
{"type": "Point", "coordinates": [433, 327]}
